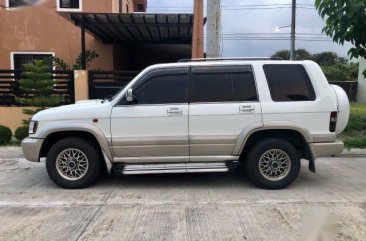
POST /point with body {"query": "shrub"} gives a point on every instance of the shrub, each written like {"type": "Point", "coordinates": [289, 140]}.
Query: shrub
{"type": "Point", "coordinates": [356, 142]}
{"type": "Point", "coordinates": [357, 122]}
{"type": "Point", "coordinates": [21, 133]}
{"type": "Point", "coordinates": [5, 135]}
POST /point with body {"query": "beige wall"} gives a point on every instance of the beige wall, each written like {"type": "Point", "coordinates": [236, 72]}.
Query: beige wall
{"type": "Point", "coordinates": [12, 117]}
{"type": "Point", "coordinates": [42, 29]}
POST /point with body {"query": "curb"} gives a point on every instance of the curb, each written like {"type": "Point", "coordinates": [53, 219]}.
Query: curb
{"type": "Point", "coordinates": [353, 153]}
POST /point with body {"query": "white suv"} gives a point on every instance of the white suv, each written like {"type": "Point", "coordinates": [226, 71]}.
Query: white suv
{"type": "Point", "coordinates": [197, 116]}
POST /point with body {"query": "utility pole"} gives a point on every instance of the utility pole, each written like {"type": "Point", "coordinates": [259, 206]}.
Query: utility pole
{"type": "Point", "coordinates": [293, 30]}
{"type": "Point", "coordinates": [213, 28]}
{"type": "Point", "coordinates": [197, 38]}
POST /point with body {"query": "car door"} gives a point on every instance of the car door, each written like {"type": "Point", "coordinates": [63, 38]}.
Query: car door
{"type": "Point", "coordinates": [223, 101]}
{"type": "Point", "coordinates": [154, 126]}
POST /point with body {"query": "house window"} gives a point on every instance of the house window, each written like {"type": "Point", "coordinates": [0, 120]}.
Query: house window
{"type": "Point", "coordinates": [140, 7]}
{"type": "Point", "coordinates": [127, 8]}
{"type": "Point", "coordinates": [19, 59]}
{"type": "Point", "coordinates": [69, 5]}
{"type": "Point", "coordinates": [21, 3]}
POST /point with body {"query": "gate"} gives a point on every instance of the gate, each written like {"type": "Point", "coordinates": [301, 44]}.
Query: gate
{"type": "Point", "coordinates": [107, 83]}
{"type": "Point", "coordinates": [9, 86]}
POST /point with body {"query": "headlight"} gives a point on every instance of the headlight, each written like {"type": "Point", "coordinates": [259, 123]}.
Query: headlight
{"type": "Point", "coordinates": [33, 127]}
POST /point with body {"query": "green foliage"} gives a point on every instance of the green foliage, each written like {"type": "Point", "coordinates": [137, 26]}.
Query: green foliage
{"type": "Point", "coordinates": [328, 59]}
{"type": "Point", "coordinates": [345, 22]}
{"type": "Point", "coordinates": [300, 54]}
{"type": "Point", "coordinates": [340, 72]}
{"type": "Point", "coordinates": [355, 142]}
{"type": "Point", "coordinates": [58, 63]}
{"type": "Point", "coordinates": [334, 67]}
{"type": "Point", "coordinates": [21, 133]}
{"type": "Point", "coordinates": [61, 64]}
{"type": "Point", "coordinates": [355, 134]}
{"type": "Point", "coordinates": [5, 135]}
{"type": "Point", "coordinates": [357, 122]}
{"type": "Point", "coordinates": [90, 55]}
{"type": "Point", "coordinates": [37, 86]}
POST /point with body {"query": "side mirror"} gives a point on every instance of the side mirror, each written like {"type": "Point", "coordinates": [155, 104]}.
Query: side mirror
{"type": "Point", "coordinates": [129, 95]}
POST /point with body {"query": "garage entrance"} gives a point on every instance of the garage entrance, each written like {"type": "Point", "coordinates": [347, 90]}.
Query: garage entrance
{"type": "Point", "coordinates": [139, 40]}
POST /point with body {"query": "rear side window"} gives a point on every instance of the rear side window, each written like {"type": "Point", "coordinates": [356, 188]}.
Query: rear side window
{"type": "Point", "coordinates": [223, 84]}
{"type": "Point", "coordinates": [289, 83]}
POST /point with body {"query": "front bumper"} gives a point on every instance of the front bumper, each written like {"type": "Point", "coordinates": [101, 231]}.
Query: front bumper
{"type": "Point", "coordinates": [326, 149]}
{"type": "Point", "coordinates": [32, 148]}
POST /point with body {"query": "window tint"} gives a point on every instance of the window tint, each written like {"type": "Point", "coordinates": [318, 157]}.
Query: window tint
{"type": "Point", "coordinates": [162, 89]}
{"type": "Point", "coordinates": [222, 84]}
{"type": "Point", "coordinates": [244, 87]}
{"type": "Point", "coordinates": [289, 83]}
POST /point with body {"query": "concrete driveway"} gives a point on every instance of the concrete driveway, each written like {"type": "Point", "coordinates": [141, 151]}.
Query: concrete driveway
{"type": "Point", "coordinates": [183, 206]}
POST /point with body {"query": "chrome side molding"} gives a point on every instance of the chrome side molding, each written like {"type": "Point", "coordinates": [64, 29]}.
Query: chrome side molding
{"type": "Point", "coordinates": [133, 169]}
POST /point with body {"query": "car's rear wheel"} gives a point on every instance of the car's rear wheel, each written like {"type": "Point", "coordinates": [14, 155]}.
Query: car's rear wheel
{"type": "Point", "coordinates": [272, 164]}
{"type": "Point", "coordinates": [73, 163]}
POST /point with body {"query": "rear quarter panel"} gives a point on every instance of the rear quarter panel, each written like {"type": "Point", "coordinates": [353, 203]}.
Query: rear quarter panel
{"type": "Point", "coordinates": [311, 115]}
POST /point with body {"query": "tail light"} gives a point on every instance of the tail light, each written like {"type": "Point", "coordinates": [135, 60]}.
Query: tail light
{"type": "Point", "coordinates": [333, 121]}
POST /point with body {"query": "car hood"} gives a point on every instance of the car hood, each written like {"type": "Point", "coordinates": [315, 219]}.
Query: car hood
{"type": "Point", "coordinates": [80, 110]}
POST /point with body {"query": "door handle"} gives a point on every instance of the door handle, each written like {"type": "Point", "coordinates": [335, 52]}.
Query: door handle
{"type": "Point", "coordinates": [175, 111]}
{"type": "Point", "coordinates": [246, 109]}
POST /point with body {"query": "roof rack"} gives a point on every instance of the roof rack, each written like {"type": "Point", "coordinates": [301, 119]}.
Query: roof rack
{"type": "Point", "coordinates": [223, 59]}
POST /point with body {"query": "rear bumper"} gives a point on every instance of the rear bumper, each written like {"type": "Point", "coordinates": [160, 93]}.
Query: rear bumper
{"type": "Point", "coordinates": [326, 149]}
{"type": "Point", "coordinates": [31, 148]}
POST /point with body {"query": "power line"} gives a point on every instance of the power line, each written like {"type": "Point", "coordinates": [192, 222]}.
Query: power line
{"type": "Point", "coordinates": [242, 5]}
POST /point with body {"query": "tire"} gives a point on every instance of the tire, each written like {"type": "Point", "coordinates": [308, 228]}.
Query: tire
{"type": "Point", "coordinates": [83, 173]}
{"type": "Point", "coordinates": [270, 175]}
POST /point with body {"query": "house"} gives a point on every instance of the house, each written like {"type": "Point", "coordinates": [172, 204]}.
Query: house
{"type": "Point", "coordinates": [119, 31]}
{"type": "Point", "coordinates": [126, 38]}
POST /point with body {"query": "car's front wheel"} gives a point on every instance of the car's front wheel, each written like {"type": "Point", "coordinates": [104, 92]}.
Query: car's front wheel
{"type": "Point", "coordinates": [272, 164]}
{"type": "Point", "coordinates": [73, 163]}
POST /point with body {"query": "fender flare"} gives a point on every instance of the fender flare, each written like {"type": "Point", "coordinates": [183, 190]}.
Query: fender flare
{"type": "Point", "coordinates": [83, 127]}
{"type": "Point", "coordinates": [269, 125]}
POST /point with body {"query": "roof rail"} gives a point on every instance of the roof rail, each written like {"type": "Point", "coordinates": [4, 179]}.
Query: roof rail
{"type": "Point", "coordinates": [223, 59]}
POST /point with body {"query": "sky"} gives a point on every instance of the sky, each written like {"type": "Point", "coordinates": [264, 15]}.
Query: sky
{"type": "Point", "coordinates": [250, 21]}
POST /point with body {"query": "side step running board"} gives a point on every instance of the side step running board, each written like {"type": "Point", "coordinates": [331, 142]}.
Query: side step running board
{"type": "Point", "coordinates": [131, 169]}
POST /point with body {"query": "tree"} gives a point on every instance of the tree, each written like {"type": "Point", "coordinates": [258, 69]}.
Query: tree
{"type": "Point", "coordinates": [341, 72]}
{"type": "Point", "coordinates": [37, 88]}
{"type": "Point", "coordinates": [329, 58]}
{"type": "Point", "coordinates": [345, 22]}
{"type": "Point", "coordinates": [283, 54]}
{"type": "Point", "coordinates": [61, 64]}
{"type": "Point", "coordinates": [300, 54]}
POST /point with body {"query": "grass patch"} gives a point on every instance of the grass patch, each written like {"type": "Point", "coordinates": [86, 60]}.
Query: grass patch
{"type": "Point", "coordinates": [356, 141]}
{"type": "Point", "coordinates": [354, 135]}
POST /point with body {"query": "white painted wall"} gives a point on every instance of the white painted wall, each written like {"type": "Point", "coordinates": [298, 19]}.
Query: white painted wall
{"type": "Point", "coordinates": [361, 93]}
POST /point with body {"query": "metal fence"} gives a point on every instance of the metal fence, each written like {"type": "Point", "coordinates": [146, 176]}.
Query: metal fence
{"type": "Point", "coordinates": [9, 86]}
{"type": "Point", "coordinates": [106, 83]}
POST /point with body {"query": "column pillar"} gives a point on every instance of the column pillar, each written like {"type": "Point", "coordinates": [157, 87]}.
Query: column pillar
{"type": "Point", "coordinates": [81, 85]}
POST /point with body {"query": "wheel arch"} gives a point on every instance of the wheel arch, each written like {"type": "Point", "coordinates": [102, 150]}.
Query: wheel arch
{"type": "Point", "coordinates": [291, 132]}
{"type": "Point", "coordinates": [51, 134]}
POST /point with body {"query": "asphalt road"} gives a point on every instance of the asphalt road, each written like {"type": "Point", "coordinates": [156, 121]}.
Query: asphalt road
{"type": "Point", "coordinates": [331, 203]}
